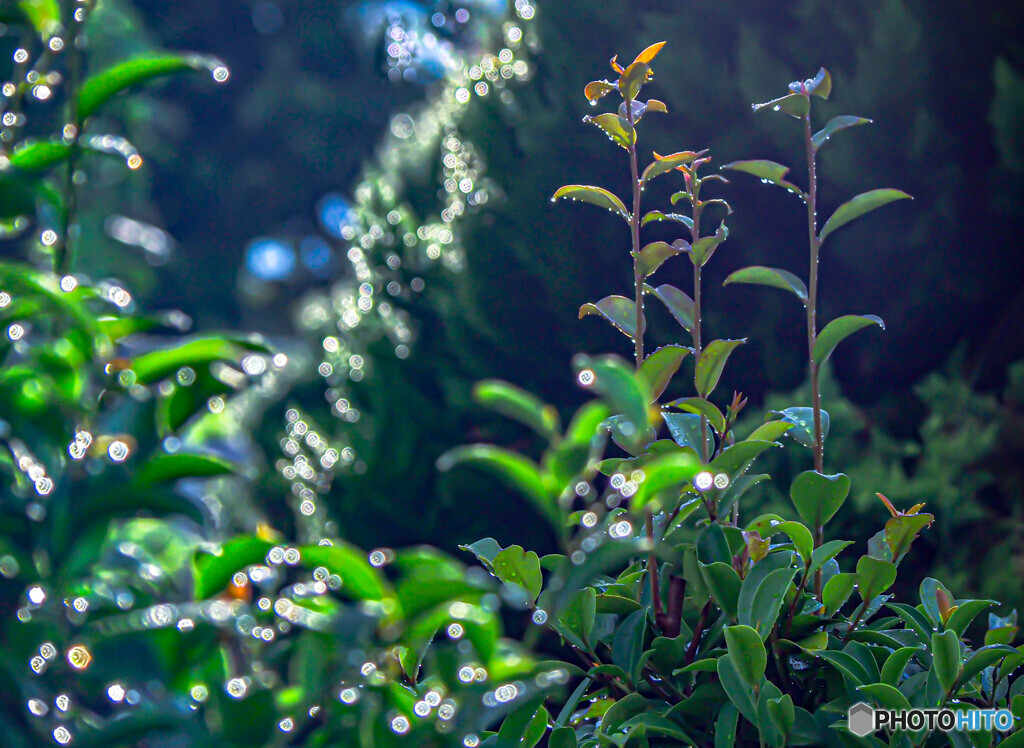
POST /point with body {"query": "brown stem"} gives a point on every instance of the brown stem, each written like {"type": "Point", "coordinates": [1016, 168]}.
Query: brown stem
{"type": "Point", "coordinates": [691, 651]}
{"type": "Point", "coordinates": [676, 597]}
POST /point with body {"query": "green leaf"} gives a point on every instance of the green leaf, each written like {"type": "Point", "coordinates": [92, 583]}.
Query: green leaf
{"type": "Point", "coordinates": [519, 727]}
{"type": "Point", "coordinates": [628, 643]}
{"type": "Point", "coordinates": [595, 196]}
{"type": "Point", "coordinates": [839, 329]}
{"type": "Point", "coordinates": [774, 277]}
{"type": "Point", "coordinates": [896, 664]}
{"type": "Point", "coordinates": [736, 687]}
{"type": "Point", "coordinates": [768, 172]}
{"type": "Point", "coordinates": [929, 592]}
{"type": "Point", "coordinates": [770, 431]}
{"type": "Point", "coordinates": [858, 206]}
{"type": "Point", "coordinates": [562, 737]}
{"type": "Point", "coordinates": [826, 551]}
{"type": "Point", "coordinates": [665, 472]}
{"type": "Point", "coordinates": [618, 384]}
{"type": "Point", "coordinates": [946, 660]}
{"type": "Point", "coordinates": [657, 215]}
{"type": "Point", "coordinates": [598, 89]}
{"type": "Point", "coordinates": [782, 714]}
{"type": "Point", "coordinates": [747, 653]}
{"type": "Point", "coordinates": [677, 302]}
{"type": "Point", "coordinates": [44, 15]}
{"type": "Point", "coordinates": [579, 615]}
{"type": "Point", "coordinates": [914, 619]}
{"type": "Point", "coordinates": [736, 459]}
{"type": "Point", "coordinates": [801, 537]}
{"type": "Point", "coordinates": [519, 405]}
{"type": "Point", "coordinates": [833, 126]}
{"type": "Point", "coordinates": [966, 612]}
{"type": "Point", "coordinates": [763, 590]}
{"type": "Point", "coordinates": [724, 584]}
{"type": "Point", "coordinates": [654, 724]}
{"type": "Point", "coordinates": [359, 579]}
{"type": "Point", "coordinates": [901, 531]}
{"type": "Point", "coordinates": [628, 706]}
{"type": "Point", "coordinates": [702, 407]}
{"type": "Point", "coordinates": [837, 591]}
{"type": "Point", "coordinates": [794, 104]}
{"type": "Point", "coordinates": [659, 367]}
{"type": "Point", "coordinates": [874, 577]}
{"type": "Point", "coordinates": [167, 467]}
{"type": "Point", "coordinates": [520, 473]}
{"type": "Point", "coordinates": [618, 310]}
{"type": "Point", "coordinates": [704, 247]}
{"type": "Point", "coordinates": [725, 727]}
{"type": "Point", "coordinates": [821, 85]}
{"type": "Point", "coordinates": [211, 573]}
{"type": "Point", "coordinates": [818, 497]}
{"type": "Point", "coordinates": [633, 79]}
{"type": "Point", "coordinates": [39, 156]}
{"type": "Point", "coordinates": [666, 164]}
{"type": "Point", "coordinates": [155, 365]}
{"type": "Point", "coordinates": [616, 128]}
{"type": "Point", "coordinates": [521, 568]}
{"type": "Point", "coordinates": [100, 88]}
{"type": "Point", "coordinates": [846, 664]}
{"type": "Point", "coordinates": [982, 658]}
{"type": "Point", "coordinates": [654, 254]}
{"type": "Point", "coordinates": [885, 696]}
{"type": "Point", "coordinates": [712, 362]}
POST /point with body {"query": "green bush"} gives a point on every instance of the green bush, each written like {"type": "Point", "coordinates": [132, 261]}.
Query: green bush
{"type": "Point", "coordinates": [716, 631]}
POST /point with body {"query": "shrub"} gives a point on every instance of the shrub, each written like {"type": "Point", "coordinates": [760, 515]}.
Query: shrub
{"type": "Point", "coordinates": [692, 626]}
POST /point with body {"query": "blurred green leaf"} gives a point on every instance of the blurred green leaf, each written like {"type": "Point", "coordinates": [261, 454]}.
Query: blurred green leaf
{"type": "Point", "coordinates": [358, 578]}
{"type": "Point", "coordinates": [155, 365]}
{"type": "Point", "coordinates": [211, 573]}
{"type": "Point", "coordinates": [44, 15]}
{"type": "Point", "coordinates": [578, 617]}
{"type": "Point", "coordinates": [168, 467]}
{"type": "Point", "coordinates": [100, 88]}
{"type": "Point", "coordinates": [617, 382]}
{"type": "Point", "coordinates": [858, 206]}
{"type": "Point", "coordinates": [628, 643]}
{"type": "Point", "coordinates": [519, 405]}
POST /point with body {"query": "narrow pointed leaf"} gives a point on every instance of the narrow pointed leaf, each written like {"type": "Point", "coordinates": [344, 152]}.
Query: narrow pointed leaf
{"type": "Point", "coordinates": [896, 664]}
{"type": "Point", "coordinates": [654, 254]}
{"type": "Point", "coordinates": [517, 471]}
{"type": "Point", "coordinates": [769, 172]}
{"type": "Point", "coordinates": [633, 78]}
{"type": "Point", "coordinates": [663, 164]}
{"type": "Point", "coordinates": [167, 467]}
{"type": "Point", "coordinates": [838, 330]}
{"type": "Point", "coordinates": [774, 277]}
{"type": "Point", "coordinates": [946, 660]}
{"type": "Point", "coordinates": [617, 382]}
{"type": "Point", "coordinates": [704, 247]}
{"type": "Point", "coordinates": [650, 53]}
{"type": "Point", "coordinates": [678, 303]}
{"type": "Point", "coordinates": [833, 126]}
{"type": "Point", "coordinates": [597, 89]}
{"type": "Point", "coordinates": [794, 104]}
{"type": "Point", "coordinates": [517, 404]}
{"type": "Point", "coordinates": [595, 196]}
{"type": "Point", "coordinates": [657, 215]}
{"type": "Point", "coordinates": [667, 471]}
{"type": "Point", "coordinates": [617, 128]}
{"type": "Point", "coordinates": [712, 362]}
{"type": "Point", "coordinates": [618, 310]}
{"type": "Point", "coordinates": [770, 431]}
{"type": "Point", "coordinates": [103, 86]}
{"type": "Point", "coordinates": [659, 367]}
{"type": "Point", "coordinates": [858, 206]}
{"type": "Point", "coordinates": [747, 653]}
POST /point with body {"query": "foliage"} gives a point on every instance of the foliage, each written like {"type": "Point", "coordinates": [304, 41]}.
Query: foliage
{"type": "Point", "coordinates": [715, 631]}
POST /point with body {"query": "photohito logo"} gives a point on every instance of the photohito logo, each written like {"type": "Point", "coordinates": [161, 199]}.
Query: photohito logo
{"type": "Point", "coordinates": [863, 719]}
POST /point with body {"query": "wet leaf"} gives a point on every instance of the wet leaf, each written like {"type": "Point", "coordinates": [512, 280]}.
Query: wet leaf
{"type": "Point", "coordinates": [685, 431]}
{"type": "Point", "coordinates": [818, 497]}
{"type": "Point", "coordinates": [774, 277]}
{"type": "Point", "coordinates": [982, 658]}
{"type": "Point", "coordinates": [833, 126]}
{"type": "Point", "coordinates": [703, 407]}
{"type": "Point", "coordinates": [735, 460]}
{"type": "Point", "coordinates": [826, 551]}
{"type": "Point", "coordinates": [617, 382]}
{"type": "Point", "coordinates": [100, 88]}
{"type": "Point", "coordinates": [514, 566]}
{"type": "Point", "coordinates": [705, 247]}
{"type": "Point", "coordinates": [633, 79]}
{"type": "Point", "coordinates": [519, 405]}
{"type": "Point", "coordinates": [946, 659]}
{"type": "Point", "coordinates": [782, 714]}
{"type": "Point", "coordinates": [628, 643]}
{"type": "Point", "coordinates": [837, 591]}
{"type": "Point", "coordinates": [211, 573]}
{"type": "Point", "coordinates": [821, 85]}
{"type": "Point", "coordinates": [618, 310]}
{"type": "Point", "coordinates": [763, 590]}
{"type": "Point", "coordinates": [838, 330]}
{"type": "Point", "coordinates": [712, 362]}
{"type": "Point", "coordinates": [747, 652]}
{"type": "Point", "coordinates": [896, 664]}
{"type": "Point", "coordinates": [654, 254]}
{"type": "Point", "coordinates": [359, 579]}
{"type": "Point", "coordinates": [724, 584]}
{"type": "Point", "coordinates": [562, 737]}
{"type": "Point", "coordinates": [678, 303]}
{"type": "Point", "coordinates": [770, 431]}
{"type": "Point", "coordinates": [885, 696]}
{"type": "Point", "coordinates": [617, 129]}
{"type": "Point", "coordinates": [794, 104]}
{"type": "Point", "coordinates": [803, 424]}
{"type": "Point", "coordinates": [902, 530]}
{"type": "Point", "coordinates": [800, 535]}
{"type": "Point", "coordinates": [664, 164]}
{"type": "Point", "coordinates": [598, 89]}
{"type": "Point", "coordinates": [858, 206]}
{"type": "Point", "coordinates": [966, 612]}
{"type": "Point", "coordinates": [595, 196]}
{"type": "Point", "coordinates": [659, 367]}
{"type": "Point", "coordinates": [650, 53]}
{"type": "Point", "coordinates": [874, 577]}
{"type": "Point", "coordinates": [579, 615]}
{"type": "Point", "coordinates": [657, 215]}
{"type": "Point", "coordinates": [768, 172]}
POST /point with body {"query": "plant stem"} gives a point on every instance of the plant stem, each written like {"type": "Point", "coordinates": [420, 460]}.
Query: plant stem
{"type": "Point", "coordinates": [63, 258]}
{"type": "Point", "coordinates": [697, 313]}
{"type": "Point", "coordinates": [652, 568]}
{"type": "Point", "coordinates": [812, 311]}
{"type": "Point", "coordinates": [634, 226]}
